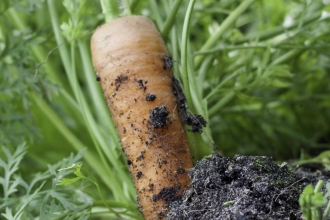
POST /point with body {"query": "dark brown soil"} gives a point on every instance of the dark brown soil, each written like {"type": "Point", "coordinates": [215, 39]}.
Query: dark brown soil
{"type": "Point", "coordinates": [150, 97]}
{"type": "Point", "coordinates": [197, 122]}
{"type": "Point", "coordinates": [159, 116]}
{"type": "Point", "coordinates": [243, 188]}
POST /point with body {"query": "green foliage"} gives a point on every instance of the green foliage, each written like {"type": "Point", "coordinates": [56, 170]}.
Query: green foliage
{"type": "Point", "coordinates": [228, 203]}
{"type": "Point", "coordinates": [79, 176]}
{"type": "Point", "coordinates": [16, 79]}
{"type": "Point", "coordinates": [40, 197]}
{"type": "Point", "coordinates": [312, 202]}
{"type": "Point", "coordinates": [265, 83]}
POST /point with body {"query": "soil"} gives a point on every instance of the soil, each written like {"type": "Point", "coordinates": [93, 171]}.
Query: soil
{"type": "Point", "coordinates": [243, 188]}
{"type": "Point", "coordinates": [197, 122]}
{"type": "Point", "coordinates": [119, 80]}
{"type": "Point", "coordinates": [168, 62]}
{"type": "Point", "coordinates": [159, 116]}
{"type": "Point", "coordinates": [150, 97]}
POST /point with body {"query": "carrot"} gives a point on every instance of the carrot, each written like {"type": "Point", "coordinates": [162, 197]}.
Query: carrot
{"type": "Point", "coordinates": [134, 70]}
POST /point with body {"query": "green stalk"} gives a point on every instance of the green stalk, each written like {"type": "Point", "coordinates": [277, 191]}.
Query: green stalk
{"type": "Point", "coordinates": [155, 13]}
{"type": "Point", "coordinates": [222, 28]}
{"type": "Point", "coordinates": [318, 186]}
{"type": "Point", "coordinates": [113, 204]}
{"type": "Point", "coordinates": [110, 9]}
{"type": "Point", "coordinates": [127, 7]}
{"type": "Point", "coordinates": [257, 46]}
{"type": "Point", "coordinates": [326, 211]}
{"type": "Point", "coordinates": [98, 140]}
{"type": "Point", "coordinates": [91, 126]}
{"type": "Point", "coordinates": [317, 211]}
{"type": "Point", "coordinates": [291, 54]}
{"type": "Point", "coordinates": [184, 72]}
{"type": "Point", "coordinates": [175, 52]}
{"type": "Point", "coordinates": [198, 147]}
{"type": "Point", "coordinates": [287, 56]}
{"type": "Point", "coordinates": [63, 50]}
{"type": "Point", "coordinates": [104, 118]}
{"type": "Point", "coordinates": [89, 156]}
{"type": "Point", "coordinates": [100, 192]}
{"type": "Point", "coordinates": [214, 110]}
{"type": "Point", "coordinates": [94, 89]}
{"type": "Point", "coordinates": [200, 107]}
{"type": "Point", "coordinates": [277, 30]}
{"type": "Point", "coordinates": [170, 19]}
{"type": "Point", "coordinates": [133, 5]}
{"type": "Point", "coordinates": [184, 55]}
{"type": "Point", "coordinates": [202, 71]}
{"type": "Point", "coordinates": [216, 89]}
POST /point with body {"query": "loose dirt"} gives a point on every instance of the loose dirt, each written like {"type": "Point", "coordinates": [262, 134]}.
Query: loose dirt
{"type": "Point", "coordinates": [243, 188]}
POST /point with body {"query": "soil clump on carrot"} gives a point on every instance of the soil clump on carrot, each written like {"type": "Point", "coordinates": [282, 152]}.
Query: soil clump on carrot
{"type": "Point", "coordinates": [119, 80]}
{"type": "Point", "coordinates": [243, 188]}
{"type": "Point", "coordinates": [167, 194]}
{"type": "Point", "coordinates": [159, 116]}
{"type": "Point", "coordinates": [168, 62]}
{"type": "Point", "coordinates": [197, 122]}
{"type": "Point", "coordinates": [150, 97]}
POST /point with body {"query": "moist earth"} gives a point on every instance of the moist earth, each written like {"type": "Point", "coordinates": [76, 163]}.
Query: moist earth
{"type": "Point", "coordinates": [159, 116]}
{"type": "Point", "coordinates": [243, 188]}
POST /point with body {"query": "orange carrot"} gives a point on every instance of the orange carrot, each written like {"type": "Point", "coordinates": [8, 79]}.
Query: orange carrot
{"type": "Point", "coordinates": [134, 70]}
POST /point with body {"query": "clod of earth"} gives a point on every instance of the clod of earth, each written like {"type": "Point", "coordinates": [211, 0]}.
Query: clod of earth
{"type": "Point", "coordinates": [159, 116]}
{"type": "Point", "coordinates": [197, 122]}
{"type": "Point", "coordinates": [168, 62]}
{"type": "Point", "coordinates": [243, 188]}
{"type": "Point", "coordinates": [166, 194]}
{"type": "Point", "coordinates": [119, 80]}
{"type": "Point", "coordinates": [150, 97]}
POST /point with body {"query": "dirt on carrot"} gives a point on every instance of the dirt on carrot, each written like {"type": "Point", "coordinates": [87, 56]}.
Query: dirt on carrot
{"type": "Point", "coordinates": [197, 122]}
{"type": "Point", "coordinates": [150, 97]}
{"type": "Point", "coordinates": [159, 116]}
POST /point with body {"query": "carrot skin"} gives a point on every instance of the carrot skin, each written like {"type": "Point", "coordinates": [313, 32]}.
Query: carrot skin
{"type": "Point", "coordinates": [133, 66]}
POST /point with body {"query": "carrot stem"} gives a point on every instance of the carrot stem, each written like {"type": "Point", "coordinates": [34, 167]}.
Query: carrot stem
{"type": "Point", "coordinates": [158, 19]}
{"type": "Point", "coordinates": [197, 145]}
{"type": "Point", "coordinates": [110, 9]}
{"type": "Point", "coordinates": [222, 28]}
{"type": "Point", "coordinates": [185, 77]}
{"type": "Point", "coordinates": [133, 4]}
{"type": "Point", "coordinates": [98, 140]}
{"type": "Point", "coordinates": [170, 19]}
{"type": "Point", "coordinates": [71, 138]}
{"type": "Point", "coordinates": [184, 55]}
{"type": "Point", "coordinates": [127, 8]}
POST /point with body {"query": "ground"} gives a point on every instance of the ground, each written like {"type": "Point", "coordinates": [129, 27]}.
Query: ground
{"type": "Point", "coordinates": [243, 188]}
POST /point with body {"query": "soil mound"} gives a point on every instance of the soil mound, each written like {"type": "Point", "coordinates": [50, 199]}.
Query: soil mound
{"type": "Point", "coordinates": [243, 188]}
